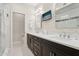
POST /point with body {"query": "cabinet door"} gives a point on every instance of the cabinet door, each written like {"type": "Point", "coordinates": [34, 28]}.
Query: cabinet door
{"type": "Point", "coordinates": [37, 46]}
{"type": "Point", "coordinates": [56, 52]}
{"type": "Point", "coordinates": [45, 50]}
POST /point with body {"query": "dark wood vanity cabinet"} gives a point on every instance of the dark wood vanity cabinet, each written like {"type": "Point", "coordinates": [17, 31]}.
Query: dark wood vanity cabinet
{"type": "Point", "coordinates": [43, 47]}
{"type": "Point", "coordinates": [35, 44]}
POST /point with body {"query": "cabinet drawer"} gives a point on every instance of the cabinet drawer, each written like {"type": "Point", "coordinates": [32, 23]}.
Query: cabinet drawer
{"type": "Point", "coordinates": [36, 43]}
{"type": "Point", "coordinates": [36, 39]}
{"type": "Point", "coordinates": [37, 51]}
{"type": "Point", "coordinates": [37, 48]}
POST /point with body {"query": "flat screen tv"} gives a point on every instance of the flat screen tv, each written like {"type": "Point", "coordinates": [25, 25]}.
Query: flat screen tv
{"type": "Point", "coordinates": [47, 16]}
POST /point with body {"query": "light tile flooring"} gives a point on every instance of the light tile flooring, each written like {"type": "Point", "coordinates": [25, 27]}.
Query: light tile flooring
{"type": "Point", "coordinates": [19, 49]}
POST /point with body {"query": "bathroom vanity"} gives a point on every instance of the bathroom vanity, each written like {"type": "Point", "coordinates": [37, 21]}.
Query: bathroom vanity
{"type": "Point", "coordinates": [40, 45]}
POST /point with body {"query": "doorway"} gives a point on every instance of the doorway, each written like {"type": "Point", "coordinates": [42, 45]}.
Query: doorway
{"type": "Point", "coordinates": [18, 36]}
{"type": "Point", "coordinates": [18, 28]}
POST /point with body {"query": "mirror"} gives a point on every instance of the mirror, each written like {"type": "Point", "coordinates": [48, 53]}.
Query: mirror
{"type": "Point", "coordinates": [68, 16]}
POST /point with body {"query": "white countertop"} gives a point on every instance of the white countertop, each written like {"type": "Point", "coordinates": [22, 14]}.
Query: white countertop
{"type": "Point", "coordinates": [67, 42]}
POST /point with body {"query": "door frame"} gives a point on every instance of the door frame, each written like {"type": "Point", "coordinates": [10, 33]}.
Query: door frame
{"type": "Point", "coordinates": [12, 26]}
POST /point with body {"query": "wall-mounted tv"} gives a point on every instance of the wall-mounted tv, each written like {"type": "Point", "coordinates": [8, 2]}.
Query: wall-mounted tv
{"type": "Point", "coordinates": [47, 16]}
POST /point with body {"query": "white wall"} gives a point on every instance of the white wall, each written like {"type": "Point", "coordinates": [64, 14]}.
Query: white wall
{"type": "Point", "coordinates": [5, 27]}
{"type": "Point", "coordinates": [2, 45]}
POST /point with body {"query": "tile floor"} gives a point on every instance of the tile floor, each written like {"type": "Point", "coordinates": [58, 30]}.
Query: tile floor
{"type": "Point", "coordinates": [19, 49]}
